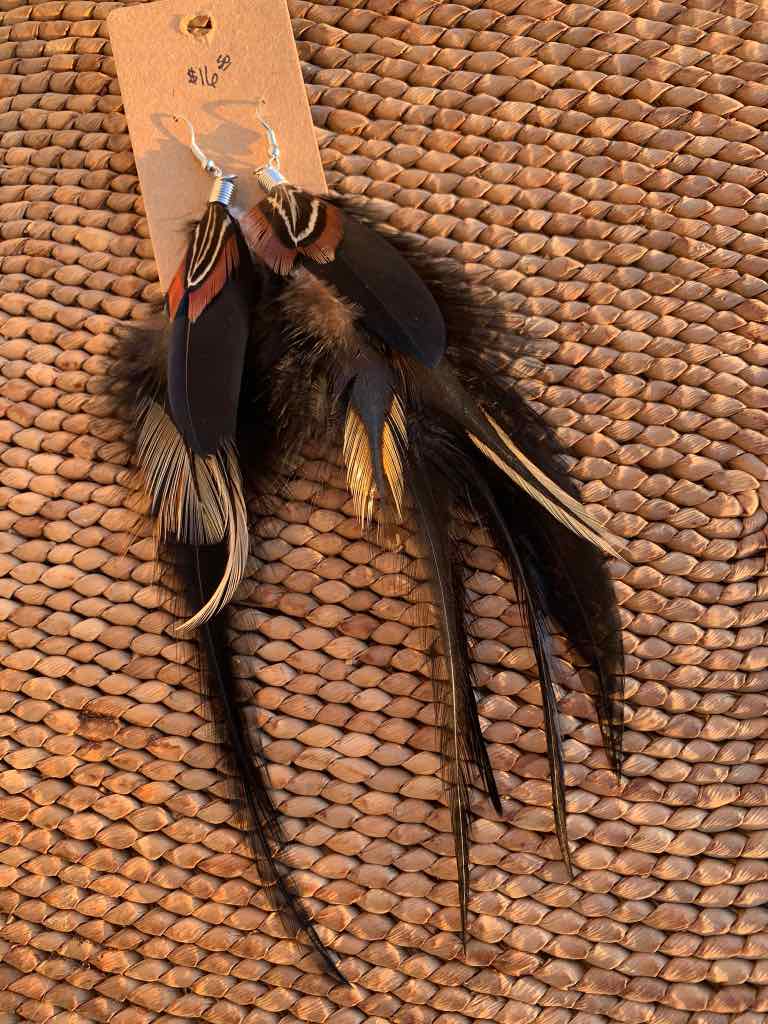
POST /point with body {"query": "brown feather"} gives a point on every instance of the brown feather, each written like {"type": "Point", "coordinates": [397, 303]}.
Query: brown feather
{"type": "Point", "coordinates": [323, 248]}
{"type": "Point", "coordinates": [261, 239]}
{"type": "Point", "coordinates": [320, 310]}
{"type": "Point", "coordinates": [289, 222]}
{"type": "Point", "coordinates": [176, 290]}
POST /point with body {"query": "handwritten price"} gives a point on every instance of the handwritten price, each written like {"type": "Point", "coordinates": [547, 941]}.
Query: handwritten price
{"type": "Point", "coordinates": [202, 76]}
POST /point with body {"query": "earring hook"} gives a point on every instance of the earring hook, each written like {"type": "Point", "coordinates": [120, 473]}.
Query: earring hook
{"type": "Point", "coordinates": [269, 174]}
{"type": "Point", "coordinates": [224, 184]}
{"type": "Point", "coordinates": [205, 162]}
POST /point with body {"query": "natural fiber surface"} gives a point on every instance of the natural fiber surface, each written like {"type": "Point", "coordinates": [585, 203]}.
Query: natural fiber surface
{"type": "Point", "coordinates": [604, 165]}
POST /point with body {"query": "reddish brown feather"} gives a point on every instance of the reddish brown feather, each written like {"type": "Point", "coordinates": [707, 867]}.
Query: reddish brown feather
{"type": "Point", "coordinates": [225, 265]}
{"type": "Point", "coordinates": [176, 289]}
{"type": "Point", "coordinates": [263, 241]}
{"type": "Point", "coordinates": [323, 248]}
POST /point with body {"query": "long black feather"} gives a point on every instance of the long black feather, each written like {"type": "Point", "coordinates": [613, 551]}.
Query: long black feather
{"type": "Point", "coordinates": [136, 379]}
{"type": "Point", "coordinates": [200, 569]}
{"type": "Point", "coordinates": [486, 490]}
{"type": "Point", "coordinates": [455, 476]}
{"type": "Point", "coordinates": [575, 592]}
{"type": "Point", "coordinates": [573, 585]}
{"type": "Point", "coordinates": [463, 747]}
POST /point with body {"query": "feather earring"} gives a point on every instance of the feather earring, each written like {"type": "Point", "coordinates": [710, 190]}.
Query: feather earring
{"type": "Point", "coordinates": [426, 431]}
{"type": "Point", "coordinates": [178, 390]}
{"type": "Point", "coordinates": [350, 337]}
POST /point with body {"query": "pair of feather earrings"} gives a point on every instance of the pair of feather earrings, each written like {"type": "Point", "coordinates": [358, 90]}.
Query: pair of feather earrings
{"type": "Point", "coordinates": [300, 322]}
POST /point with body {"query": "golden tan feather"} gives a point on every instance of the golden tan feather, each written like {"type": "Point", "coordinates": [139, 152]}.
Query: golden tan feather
{"type": "Point", "coordinates": [361, 477]}
{"type": "Point", "coordinates": [565, 508]}
{"type": "Point", "coordinates": [357, 455]}
{"type": "Point", "coordinates": [196, 499]}
{"type": "Point", "coordinates": [393, 443]}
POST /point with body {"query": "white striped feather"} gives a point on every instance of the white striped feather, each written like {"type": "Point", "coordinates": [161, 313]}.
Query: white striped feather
{"type": "Point", "coordinates": [285, 202]}
{"type": "Point", "coordinates": [210, 235]}
{"type": "Point", "coordinates": [565, 508]}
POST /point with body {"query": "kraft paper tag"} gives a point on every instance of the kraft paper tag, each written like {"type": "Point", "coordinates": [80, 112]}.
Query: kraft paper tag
{"type": "Point", "coordinates": [211, 62]}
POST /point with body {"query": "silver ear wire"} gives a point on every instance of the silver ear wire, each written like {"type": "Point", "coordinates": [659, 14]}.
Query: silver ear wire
{"type": "Point", "coordinates": [205, 162]}
{"type": "Point", "coordinates": [223, 184]}
{"type": "Point", "coordinates": [269, 174]}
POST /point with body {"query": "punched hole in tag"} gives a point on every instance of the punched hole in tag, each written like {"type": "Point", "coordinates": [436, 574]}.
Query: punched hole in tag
{"type": "Point", "coordinates": [198, 26]}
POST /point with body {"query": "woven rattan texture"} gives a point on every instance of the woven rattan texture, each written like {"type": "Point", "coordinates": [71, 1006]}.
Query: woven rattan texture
{"type": "Point", "coordinates": [605, 166]}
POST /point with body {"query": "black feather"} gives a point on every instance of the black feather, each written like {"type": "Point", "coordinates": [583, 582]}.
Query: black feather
{"type": "Point", "coordinates": [436, 489]}
{"type": "Point", "coordinates": [573, 581]}
{"type": "Point", "coordinates": [136, 378]}
{"type": "Point", "coordinates": [397, 306]}
{"type": "Point", "coordinates": [486, 491]}
{"type": "Point", "coordinates": [575, 593]}
{"type": "Point", "coordinates": [205, 362]}
{"type": "Point", "coordinates": [371, 391]}
{"type": "Point", "coordinates": [560, 576]}
{"type": "Point", "coordinates": [200, 569]}
{"type": "Point", "coordinates": [362, 340]}
{"type": "Point", "coordinates": [573, 586]}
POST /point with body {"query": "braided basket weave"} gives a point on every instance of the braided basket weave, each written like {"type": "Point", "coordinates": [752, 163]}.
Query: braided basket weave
{"type": "Point", "coordinates": [605, 166]}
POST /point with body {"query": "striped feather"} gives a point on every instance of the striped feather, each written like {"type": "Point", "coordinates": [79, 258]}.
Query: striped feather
{"type": "Point", "coordinates": [212, 258]}
{"type": "Point", "coordinates": [289, 222]}
{"type": "Point", "coordinates": [195, 499]}
{"type": "Point", "coordinates": [374, 458]}
{"type": "Point", "coordinates": [211, 233]}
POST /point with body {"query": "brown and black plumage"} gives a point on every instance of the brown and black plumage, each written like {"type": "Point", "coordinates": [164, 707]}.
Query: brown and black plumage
{"type": "Point", "coordinates": [373, 347]}
{"type": "Point", "coordinates": [209, 307]}
{"type": "Point", "coordinates": [426, 433]}
{"type": "Point", "coordinates": [290, 223]}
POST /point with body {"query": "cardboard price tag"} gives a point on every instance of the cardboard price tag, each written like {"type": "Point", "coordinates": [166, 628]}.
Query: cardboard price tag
{"type": "Point", "coordinates": [216, 63]}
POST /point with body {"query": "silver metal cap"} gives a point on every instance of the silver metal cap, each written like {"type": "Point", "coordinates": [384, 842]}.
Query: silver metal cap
{"type": "Point", "coordinates": [222, 190]}
{"type": "Point", "coordinates": [269, 177]}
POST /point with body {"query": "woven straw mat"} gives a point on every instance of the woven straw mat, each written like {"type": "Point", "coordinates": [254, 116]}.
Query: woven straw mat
{"type": "Point", "coordinates": [604, 165]}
